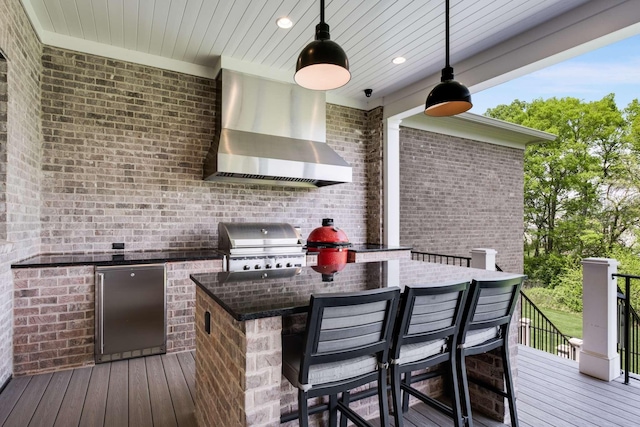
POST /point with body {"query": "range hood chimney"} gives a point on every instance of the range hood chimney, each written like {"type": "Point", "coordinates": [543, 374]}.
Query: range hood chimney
{"type": "Point", "coordinates": [271, 133]}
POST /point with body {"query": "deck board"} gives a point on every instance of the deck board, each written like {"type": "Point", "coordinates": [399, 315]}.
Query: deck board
{"type": "Point", "coordinates": [159, 390]}
{"type": "Point", "coordinates": [51, 401]}
{"type": "Point", "coordinates": [180, 394]}
{"type": "Point", "coordinates": [11, 395]}
{"type": "Point", "coordinates": [73, 402]}
{"type": "Point", "coordinates": [188, 365]}
{"type": "Point", "coordinates": [139, 402]}
{"type": "Point", "coordinates": [96, 400]}
{"type": "Point", "coordinates": [161, 405]}
{"type": "Point", "coordinates": [26, 406]}
{"type": "Point", "coordinates": [117, 410]}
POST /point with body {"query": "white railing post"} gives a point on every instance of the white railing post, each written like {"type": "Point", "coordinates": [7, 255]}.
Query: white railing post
{"type": "Point", "coordinates": [599, 357]}
{"type": "Point", "coordinates": [484, 259]}
{"type": "Point", "coordinates": [525, 331]}
{"type": "Point", "coordinates": [576, 344]}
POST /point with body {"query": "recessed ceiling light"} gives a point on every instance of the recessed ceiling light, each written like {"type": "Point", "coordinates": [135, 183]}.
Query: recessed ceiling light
{"type": "Point", "coordinates": [284, 22]}
{"type": "Point", "coordinates": [399, 60]}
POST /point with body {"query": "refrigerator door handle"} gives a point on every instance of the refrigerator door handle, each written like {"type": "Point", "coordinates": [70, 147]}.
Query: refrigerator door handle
{"type": "Point", "coordinates": [101, 310]}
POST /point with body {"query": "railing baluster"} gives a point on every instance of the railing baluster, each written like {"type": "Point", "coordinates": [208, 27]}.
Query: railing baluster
{"type": "Point", "coordinates": [543, 334]}
{"type": "Point", "coordinates": [629, 322]}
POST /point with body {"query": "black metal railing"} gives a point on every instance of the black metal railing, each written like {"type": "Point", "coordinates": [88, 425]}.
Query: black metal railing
{"type": "Point", "coordinates": [461, 261]}
{"type": "Point", "coordinates": [537, 331]}
{"type": "Point", "coordinates": [628, 329]}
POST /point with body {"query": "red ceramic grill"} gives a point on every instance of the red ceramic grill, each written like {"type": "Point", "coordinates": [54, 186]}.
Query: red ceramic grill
{"type": "Point", "coordinates": [331, 244]}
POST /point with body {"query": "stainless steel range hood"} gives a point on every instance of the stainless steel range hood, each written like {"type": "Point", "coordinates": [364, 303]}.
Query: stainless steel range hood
{"type": "Point", "coordinates": [271, 133]}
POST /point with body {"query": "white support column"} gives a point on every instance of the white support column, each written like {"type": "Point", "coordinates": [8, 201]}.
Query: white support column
{"type": "Point", "coordinates": [599, 357]}
{"type": "Point", "coordinates": [391, 173]}
{"type": "Point", "coordinates": [484, 259]}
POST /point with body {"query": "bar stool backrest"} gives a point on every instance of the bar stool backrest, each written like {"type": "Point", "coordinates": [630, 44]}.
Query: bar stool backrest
{"type": "Point", "coordinates": [491, 303]}
{"type": "Point", "coordinates": [429, 314]}
{"type": "Point", "coordinates": [349, 325]}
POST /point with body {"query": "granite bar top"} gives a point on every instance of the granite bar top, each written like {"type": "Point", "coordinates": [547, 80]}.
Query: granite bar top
{"type": "Point", "coordinates": [372, 247]}
{"type": "Point", "coordinates": [260, 294]}
{"type": "Point", "coordinates": [116, 258]}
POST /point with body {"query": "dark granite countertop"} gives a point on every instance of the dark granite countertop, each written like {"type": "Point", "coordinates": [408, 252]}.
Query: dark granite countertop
{"type": "Point", "coordinates": [116, 258]}
{"type": "Point", "coordinates": [249, 295]}
{"type": "Point", "coordinates": [372, 247]}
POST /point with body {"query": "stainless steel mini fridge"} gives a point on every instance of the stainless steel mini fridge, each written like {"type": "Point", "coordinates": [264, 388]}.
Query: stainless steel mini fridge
{"type": "Point", "coordinates": [131, 311]}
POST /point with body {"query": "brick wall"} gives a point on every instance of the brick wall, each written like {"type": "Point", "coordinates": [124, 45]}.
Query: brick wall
{"type": "Point", "coordinates": [375, 185]}
{"type": "Point", "coordinates": [238, 368]}
{"type": "Point", "coordinates": [54, 318]}
{"type": "Point", "coordinates": [123, 153]}
{"type": "Point", "coordinates": [181, 302]}
{"type": "Point", "coordinates": [458, 194]}
{"type": "Point", "coordinates": [19, 159]}
{"type": "Point", "coordinates": [54, 314]}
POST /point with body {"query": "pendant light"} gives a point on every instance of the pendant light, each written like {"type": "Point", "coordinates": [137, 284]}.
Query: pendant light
{"type": "Point", "coordinates": [449, 97]}
{"type": "Point", "coordinates": [322, 64]}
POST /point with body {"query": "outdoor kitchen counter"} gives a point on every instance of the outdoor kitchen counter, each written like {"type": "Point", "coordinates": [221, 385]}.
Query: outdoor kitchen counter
{"type": "Point", "coordinates": [117, 258]}
{"type": "Point", "coordinates": [239, 325]}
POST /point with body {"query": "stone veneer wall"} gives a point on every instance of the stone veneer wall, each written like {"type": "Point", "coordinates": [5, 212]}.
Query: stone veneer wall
{"type": "Point", "coordinates": [19, 160]}
{"type": "Point", "coordinates": [123, 153]}
{"type": "Point", "coordinates": [458, 194]}
{"type": "Point", "coordinates": [54, 314]}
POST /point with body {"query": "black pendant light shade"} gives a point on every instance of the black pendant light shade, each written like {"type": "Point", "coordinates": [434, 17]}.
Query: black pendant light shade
{"type": "Point", "coordinates": [322, 64]}
{"type": "Point", "coordinates": [449, 97]}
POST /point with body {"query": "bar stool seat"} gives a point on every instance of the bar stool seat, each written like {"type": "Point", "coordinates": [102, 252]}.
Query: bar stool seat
{"type": "Point", "coordinates": [323, 373]}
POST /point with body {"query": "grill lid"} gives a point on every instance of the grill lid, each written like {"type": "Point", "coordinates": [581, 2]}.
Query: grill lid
{"type": "Point", "coordinates": [246, 237]}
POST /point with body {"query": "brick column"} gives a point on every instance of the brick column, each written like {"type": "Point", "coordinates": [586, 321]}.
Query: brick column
{"type": "Point", "coordinates": [238, 368]}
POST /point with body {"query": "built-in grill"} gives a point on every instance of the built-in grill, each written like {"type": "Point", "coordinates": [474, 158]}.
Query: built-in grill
{"type": "Point", "coordinates": [260, 246]}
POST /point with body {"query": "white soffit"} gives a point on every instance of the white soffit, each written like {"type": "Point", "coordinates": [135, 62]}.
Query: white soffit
{"type": "Point", "coordinates": [479, 128]}
{"type": "Point", "coordinates": [191, 35]}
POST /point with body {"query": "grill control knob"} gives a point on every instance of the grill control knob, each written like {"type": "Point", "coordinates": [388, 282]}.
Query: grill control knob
{"type": "Point", "coordinates": [289, 264]}
{"type": "Point", "coordinates": [267, 266]}
{"type": "Point", "coordinates": [246, 267]}
{"type": "Point", "coordinates": [278, 265]}
{"type": "Point", "coordinates": [258, 267]}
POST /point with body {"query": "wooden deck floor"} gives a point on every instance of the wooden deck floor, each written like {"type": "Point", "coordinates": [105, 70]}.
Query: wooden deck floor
{"type": "Point", "coordinates": [150, 391]}
{"type": "Point", "coordinates": [158, 391]}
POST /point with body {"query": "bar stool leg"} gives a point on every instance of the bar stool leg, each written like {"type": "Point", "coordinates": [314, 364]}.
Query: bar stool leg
{"type": "Point", "coordinates": [509, 385]}
{"type": "Point", "coordinates": [382, 397]}
{"type": "Point", "coordinates": [345, 401]}
{"type": "Point", "coordinates": [396, 394]}
{"type": "Point", "coordinates": [303, 409]}
{"type": "Point", "coordinates": [455, 391]}
{"type": "Point", "coordinates": [405, 395]}
{"type": "Point", "coordinates": [464, 393]}
{"type": "Point", "coordinates": [333, 410]}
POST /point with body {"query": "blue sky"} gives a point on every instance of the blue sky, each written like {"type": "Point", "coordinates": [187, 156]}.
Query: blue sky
{"type": "Point", "coordinates": [611, 69]}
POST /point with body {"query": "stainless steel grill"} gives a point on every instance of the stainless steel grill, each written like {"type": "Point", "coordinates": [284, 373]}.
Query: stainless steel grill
{"type": "Point", "coordinates": [260, 246]}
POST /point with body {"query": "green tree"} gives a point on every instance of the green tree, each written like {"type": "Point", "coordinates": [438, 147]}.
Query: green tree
{"type": "Point", "coordinates": [582, 191]}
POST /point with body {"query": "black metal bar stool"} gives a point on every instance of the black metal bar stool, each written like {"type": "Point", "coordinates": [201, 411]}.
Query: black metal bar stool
{"type": "Point", "coordinates": [485, 326]}
{"type": "Point", "coordinates": [425, 336]}
{"type": "Point", "coordinates": [345, 345]}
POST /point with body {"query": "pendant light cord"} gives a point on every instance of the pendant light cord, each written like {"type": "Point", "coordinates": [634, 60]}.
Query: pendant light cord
{"type": "Point", "coordinates": [446, 36]}
{"type": "Point", "coordinates": [322, 11]}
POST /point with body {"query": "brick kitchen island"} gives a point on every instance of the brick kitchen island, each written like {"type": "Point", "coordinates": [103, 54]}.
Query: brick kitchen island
{"type": "Point", "coordinates": [240, 319]}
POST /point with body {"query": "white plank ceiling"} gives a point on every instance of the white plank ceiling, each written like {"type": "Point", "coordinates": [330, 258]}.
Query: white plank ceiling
{"type": "Point", "coordinates": [371, 32]}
